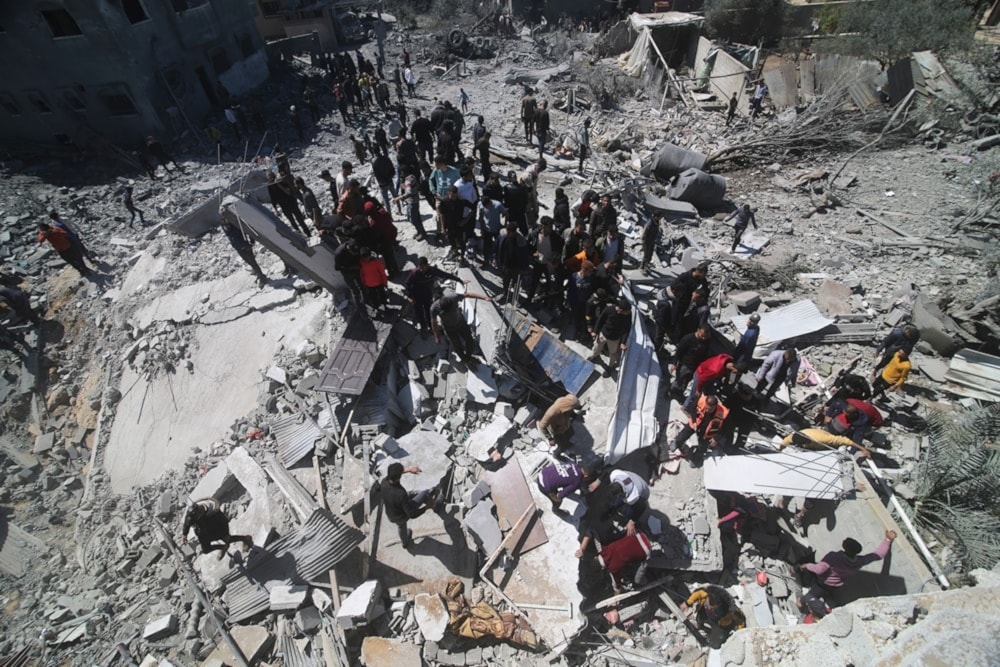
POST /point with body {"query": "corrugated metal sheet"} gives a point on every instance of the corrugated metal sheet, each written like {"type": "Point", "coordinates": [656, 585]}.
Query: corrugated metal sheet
{"type": "Point", "coordinates": [728, 75]}
{"type": "Point", "coordinates": [976, 370]}
{"type": "Point", "coordinates": [483, 316]}
{"type": "Point", "coordinates": [634, 424]}
{"type": "Point", "coordinates": [304, 555]}
{"type": "Point", "coordinates": [353, 359]}
{"type": "Point", "coordinates": [293, 656]}
{"type": "Point", "coordinates": [819, 475]}
{"type": "Point", "coordinates": [782, 82]}
{"type": "Point", "coordinates": [17, 548]}
{"type": "Point", "coordinates": [552, 358]}
{"type": "Point", "coordinates": [785, 323]}
{"type": "Point", "coordinates": [296, 437]}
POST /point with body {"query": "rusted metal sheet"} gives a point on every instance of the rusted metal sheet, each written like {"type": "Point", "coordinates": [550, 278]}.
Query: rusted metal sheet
{"type": "Point", "coordinates": [539, 354]}
{"type": "Point", "coordinates": [353, 359]}
{"type": "Point", "coordinates": [512, 496]}
{"type": "Point", "coordinates": [317, 261]}
{"type": "Point", "coordinates": [304, 555]}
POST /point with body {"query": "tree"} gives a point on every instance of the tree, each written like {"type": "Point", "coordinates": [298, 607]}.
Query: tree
{"type": "Point", "coordinates": [958, 482]}
{"type": "Point", "coordinates": [745, 21]}
{"type": "Point", "coordinates": [890, 30]}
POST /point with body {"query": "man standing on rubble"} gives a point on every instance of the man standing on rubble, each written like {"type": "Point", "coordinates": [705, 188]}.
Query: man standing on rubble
{"type": "Point", "coordinates": [557, 422]}
{"type": "Point", "coordinates": [242, 243]}
{"type": "Point", "coordinates": [686, 283]}
{"type": "Point", "coordinates": [528, 108]}
{"type": "Point", "coordinates": [542, 126]}
{"type": "Point", "coordinates": [731, 113]}
{"type": "Point", "coordinates": [743, 354]}
{"type": "Point", "coordinates": [420, 290]}
{"type": "Point", "coordinates": [779, 366]}
{"type": "Point", "coordinates": [901, 338]}
{"type": "Point", "coordinates": [835, 569]}
{"type": "Point", "coordinates": [691, 350]}
{"type": "Point", "coordinates": [650, 235]}
{"type": "Point", "coordinates": [583, 139]}
{"type": "Point", "coordinates": [744, 217]}
{"type": "Point", "coordinates": [612, 328]}
{"type": "Point", "coordinates": [448, 310]}
{"type": "Point", "coordinates": [400, 505]}
{"type": "Point", "coordinates": [211, 526]}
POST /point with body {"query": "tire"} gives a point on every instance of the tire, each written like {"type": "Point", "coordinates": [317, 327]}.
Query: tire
{"type": "Point", "coordinates": [456, 38]}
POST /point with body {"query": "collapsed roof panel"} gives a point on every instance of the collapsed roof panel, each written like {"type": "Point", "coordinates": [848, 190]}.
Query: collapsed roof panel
{"type": "Point", "coordinates": [784, 323]}
{"type": "Point", "coordinates": [818, 475]}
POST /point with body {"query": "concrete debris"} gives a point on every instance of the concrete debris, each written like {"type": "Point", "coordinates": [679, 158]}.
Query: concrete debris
{"type": "Point", "coordinates": [179, 372]}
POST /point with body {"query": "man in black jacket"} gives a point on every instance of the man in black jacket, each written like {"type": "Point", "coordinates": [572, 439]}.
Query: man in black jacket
{"type": "Point", "coordinates": [692, 349]}
{"type": "Point", "coordinates": [686, 283]}
{"type": "Point", "coordinates": [400, 505]}
{"type": "Point", "coordinates": [612, 328]}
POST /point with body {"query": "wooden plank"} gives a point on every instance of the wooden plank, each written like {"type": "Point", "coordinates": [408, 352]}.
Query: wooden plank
{"type": "Point", "coordinates": [352, 361]}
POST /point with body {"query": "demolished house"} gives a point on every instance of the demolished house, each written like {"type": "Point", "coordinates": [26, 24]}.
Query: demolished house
{"type": "Point", "coordinates": [288, 406]}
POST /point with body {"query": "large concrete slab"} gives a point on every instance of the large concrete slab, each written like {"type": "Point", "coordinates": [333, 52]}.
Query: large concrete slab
{"type": "Point", "coordinates": [160, 422]}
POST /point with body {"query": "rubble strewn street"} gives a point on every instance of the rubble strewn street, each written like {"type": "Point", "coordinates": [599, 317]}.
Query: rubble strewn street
{"type": "Point", "coordinates": [653, 440]}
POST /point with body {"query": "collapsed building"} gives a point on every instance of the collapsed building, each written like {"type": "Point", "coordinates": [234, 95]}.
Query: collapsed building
{"type": "Point", "coordinates": [287, 406]}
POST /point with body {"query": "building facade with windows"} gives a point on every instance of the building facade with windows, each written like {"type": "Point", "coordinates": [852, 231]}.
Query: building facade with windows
{"type": "Point", "coordinates": [79, 71]}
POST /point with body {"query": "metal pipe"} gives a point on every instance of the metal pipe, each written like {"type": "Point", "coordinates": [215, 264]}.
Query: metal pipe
{"type": "Point", "coordinates": [921, 546]}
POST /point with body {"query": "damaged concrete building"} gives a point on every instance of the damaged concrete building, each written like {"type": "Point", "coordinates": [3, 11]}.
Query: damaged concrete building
{"type": "Point", "coordinates": [175, 378]}
{"type": "Point", "coordinates": [79, 71]}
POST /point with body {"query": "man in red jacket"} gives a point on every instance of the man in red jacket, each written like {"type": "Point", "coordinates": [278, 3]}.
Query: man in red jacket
{"type": "Point", "coordinates": [62, 243]}
{"type": "Point", "coordinates": [709, 373]}
{"type": "Point", "coordinates": [385, 233]}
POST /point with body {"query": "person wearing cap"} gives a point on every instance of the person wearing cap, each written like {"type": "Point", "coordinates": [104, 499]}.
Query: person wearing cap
{"type": "Point", "coordinates": [743, 354]}
{"type": "Point", "coordinates": [612, 328]}
{"type": "Point", "coordinates": [836, 568]}
{"type": "Point", "coordinates": [400, 505]}
{"type": "Point", "coordinates": [779, 366]}
{"type": "Point", "coordinates": [557, 421]}
{"type": "Point", "coordinates": [448, 310]}
{"type": "Point", "coordinates": [744, 217]}
{"type": "Point", "coordinates": [419, 287]}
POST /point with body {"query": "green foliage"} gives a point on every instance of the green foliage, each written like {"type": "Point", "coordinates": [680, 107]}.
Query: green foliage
{"type": "Point", "coordinates": [745, 21]}
{"type": "Point", "coordinates": [958, 483]}
{"type": "Point", "coordinates": [890, 30]}
{"type": "Point", "coordinates": [829, 18]}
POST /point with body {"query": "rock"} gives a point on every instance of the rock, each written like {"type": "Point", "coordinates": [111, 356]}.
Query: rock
{"type": "Point", "coordinates": [162, 627]}
{"type": "Point", "coordinates": [492, 437]}
{"type": "Point", "coordinates": [431, 615]}
{"type": "Point", "coordinates": [59, 396]}
{"type": "Point", "coordinates": [309, 619]}
{"type": "Point", "coordinates": [361, 606]}
{"type": "Point", "coordinates": [837, 624]}
{"type": "Point", "coordinates": [288, 598]}
{"type": "Point", "coordinates": [746, 301]}
{"type": "Point", "coordinates": [254, 642]}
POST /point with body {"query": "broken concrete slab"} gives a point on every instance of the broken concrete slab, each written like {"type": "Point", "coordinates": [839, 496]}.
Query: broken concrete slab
{"type": "Point", "coordinates": [431, 615]}
{"type": "Point", "coordinates": [833, 298]}
{"type": "Point", "coordinates": [493, 437]}
{"type": "Point", "coordinates": [254, 642]}
{"type": "Point", "coordinates": [424, 449]}
{"type": "Point", "coordinates": [383, 652]}
{"type": "Point", "coordinates": [361, 606]}
{"type": "Point", "coordinates": [216, 483]}
{"type": "Point", "coordinates": [288, 598]}
{"type": "Point", "coordinates": [481, 522]}
{"type": "Point", "coordinates": [160, 628]}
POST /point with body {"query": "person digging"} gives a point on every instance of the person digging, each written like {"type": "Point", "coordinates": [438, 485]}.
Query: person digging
{"type": "Point", "coordinates": [211, 526]}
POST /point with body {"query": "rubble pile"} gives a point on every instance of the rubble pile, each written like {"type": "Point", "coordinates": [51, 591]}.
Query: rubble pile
{"type": "Point", "coordinates": [169, 379]}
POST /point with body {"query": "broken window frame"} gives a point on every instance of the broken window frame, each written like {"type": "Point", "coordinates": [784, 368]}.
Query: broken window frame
{"type": "Point", "coordinates": [9, 104]}
{"type": "Point", "coordinates": [38, 101]}
{"type": "Point", "coordinates": [61, 23]}
{"type": "Point", "coordinates": [134, 4]}
{"type": "Point", "coordinates": [110, 96]}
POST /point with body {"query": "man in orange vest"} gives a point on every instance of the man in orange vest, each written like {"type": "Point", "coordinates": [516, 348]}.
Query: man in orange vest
{"type": "Point", "coordinates": [706, 423]}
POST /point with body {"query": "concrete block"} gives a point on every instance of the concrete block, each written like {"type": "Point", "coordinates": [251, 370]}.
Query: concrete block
{"type": "Point", "coordinates": [360, 606]}
{"type": "Point", "coordinates": [700, 526]}
{"type": "Point", "coordinates": [165, 504]}
{"type": "Point", "coordinates": [838, 624]}
{"type": "Point", "coordinates": [431, 615]}
{"type": "Point", "coordinates": [744, 300]}
{"type": "Point", "coordinates": [383, 652]}
{"type": "Point", "coordinates": [254, 642]}
{"type": "Point", "coordinates": [477, 493]}
{"type": "Point", "coordinates": [451, 659]}
{"type": "Point", "coordinates": [309, 619]}
{"type": "Point", "coordinates": [525, 415]}
{"type": "Point", "coordinates": [149, 557]}
{"type": "Point", "coordinates": [503, 409]}
{"type": "Point", "coordinates": [482, 523]}
{"type": "Point", "coordinates": [277, 374]}
{"type": "Point", "coordinates": [44, 443]}
{"type": "Point", "coordinates": [386, 443]}
{"type": "Point", "coordinates": [149, 661]}
{"type": "Point", "coordinates": [160, 628]}
{"type": "Point", "coordinates": [288, 598]}
{"type": "Point", "coordinates": [216, 483]}
{"type": "Point", "coordinates": [493, 436]}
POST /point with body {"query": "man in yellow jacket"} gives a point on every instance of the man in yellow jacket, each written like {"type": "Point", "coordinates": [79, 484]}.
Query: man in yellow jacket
{"type": "Point", "coordinates": [893, 375]}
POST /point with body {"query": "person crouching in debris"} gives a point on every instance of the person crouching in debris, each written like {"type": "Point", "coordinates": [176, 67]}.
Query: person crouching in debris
{"type": "Point", "coordinates": [374, 278]}
{"type": "Point", "coordinates": [211, 526]}
{"type": "Point", "coordinates": [715, 608]}
{"type": "Point", "coordinates": [401, 505]}
{"type": "Point", "coordinates": [893, 375]}
{"type": "Point", "coordinates": [834, 570]}
{"type": "Point", "coordinates": [559, 480]}
{"type": "Point", "coordinates": [557, 422]}
{"type": "Point", "coordinates": [707, 424]}
{"type": "Point", "coordinates": [619, 554]}
{"type": "Point", "coordinates": [420, 290]}
{"type": "Point", "coordinates": [448, 310]}
{"type": "Point", "coordinates": [628, 499]}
